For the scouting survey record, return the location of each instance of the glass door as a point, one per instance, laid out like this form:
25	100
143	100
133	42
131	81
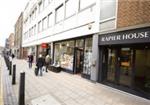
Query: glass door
78	60
125	68
119	65
142	70
111	63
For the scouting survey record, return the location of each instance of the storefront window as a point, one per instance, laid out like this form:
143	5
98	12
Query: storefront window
80	43
64	52
57	53
87	56
142	73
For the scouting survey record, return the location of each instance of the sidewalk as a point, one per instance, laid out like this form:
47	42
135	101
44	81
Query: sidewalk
64	89
1	83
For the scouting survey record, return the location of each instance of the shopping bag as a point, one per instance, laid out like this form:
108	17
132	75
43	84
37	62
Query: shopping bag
36	71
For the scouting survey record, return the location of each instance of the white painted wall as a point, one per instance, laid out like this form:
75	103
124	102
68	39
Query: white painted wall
71	27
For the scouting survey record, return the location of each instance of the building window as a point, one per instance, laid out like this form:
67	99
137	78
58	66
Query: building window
39	26
86	3
44	23
34	29
60	13
30	18
35	10
40	7
107	9
87	56
50	20
71	8
45	3
30	32
64	52
27	34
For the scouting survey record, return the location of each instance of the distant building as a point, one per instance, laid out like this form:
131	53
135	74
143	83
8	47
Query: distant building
18	37
7	44
10	43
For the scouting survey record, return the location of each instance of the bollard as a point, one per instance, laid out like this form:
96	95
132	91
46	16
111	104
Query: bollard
21	100
14	75
10	67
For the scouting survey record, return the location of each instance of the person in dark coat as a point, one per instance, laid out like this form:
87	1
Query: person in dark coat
40	64
30	60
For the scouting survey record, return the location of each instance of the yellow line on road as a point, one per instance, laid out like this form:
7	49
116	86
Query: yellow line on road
1	83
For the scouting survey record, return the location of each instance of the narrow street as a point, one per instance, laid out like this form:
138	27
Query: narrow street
62	89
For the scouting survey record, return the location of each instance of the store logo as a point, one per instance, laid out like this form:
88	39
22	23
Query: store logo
128	36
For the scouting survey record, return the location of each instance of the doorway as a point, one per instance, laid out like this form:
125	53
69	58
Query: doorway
127	68
79	57
119	63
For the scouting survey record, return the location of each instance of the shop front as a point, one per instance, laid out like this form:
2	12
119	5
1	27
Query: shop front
125	60
44	49
74	55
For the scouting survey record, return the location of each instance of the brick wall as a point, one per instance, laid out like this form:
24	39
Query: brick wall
133	12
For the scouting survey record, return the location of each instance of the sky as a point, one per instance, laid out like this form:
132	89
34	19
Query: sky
9	13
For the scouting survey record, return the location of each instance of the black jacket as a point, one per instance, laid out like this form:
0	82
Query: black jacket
40	62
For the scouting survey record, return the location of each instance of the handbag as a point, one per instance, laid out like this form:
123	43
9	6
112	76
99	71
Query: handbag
36	71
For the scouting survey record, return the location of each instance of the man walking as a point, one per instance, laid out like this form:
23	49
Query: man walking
40	64
30	60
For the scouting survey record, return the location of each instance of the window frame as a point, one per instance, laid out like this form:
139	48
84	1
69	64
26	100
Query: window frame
60	6
87	7
66	17
43	22
39	26
48	19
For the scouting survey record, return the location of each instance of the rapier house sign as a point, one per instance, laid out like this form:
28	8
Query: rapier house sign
130	36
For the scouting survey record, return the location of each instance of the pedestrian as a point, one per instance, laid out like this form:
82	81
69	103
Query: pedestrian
13	56
30	60
40	64
47	62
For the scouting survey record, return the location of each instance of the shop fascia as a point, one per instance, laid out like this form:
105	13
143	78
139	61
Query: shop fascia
128	36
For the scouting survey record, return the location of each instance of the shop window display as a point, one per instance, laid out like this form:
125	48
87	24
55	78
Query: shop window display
87	56
64	54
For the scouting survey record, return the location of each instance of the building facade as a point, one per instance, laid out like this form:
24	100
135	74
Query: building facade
65	30
18	37
10	43
103	40
124	53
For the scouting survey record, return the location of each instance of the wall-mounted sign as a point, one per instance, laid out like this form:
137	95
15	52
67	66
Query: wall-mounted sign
141	35
44	45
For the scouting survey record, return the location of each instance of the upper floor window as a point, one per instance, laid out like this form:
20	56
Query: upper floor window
86	3
30	18
60	13
40	6
71	7
34	30
50	20
107	9
35	12
39	26
44	23
45	3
